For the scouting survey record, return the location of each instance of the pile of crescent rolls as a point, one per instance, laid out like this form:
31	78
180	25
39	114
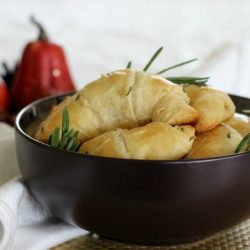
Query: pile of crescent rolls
137	115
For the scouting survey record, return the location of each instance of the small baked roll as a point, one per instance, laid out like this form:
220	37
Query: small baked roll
172	108
214	106
220	141
241	123
154	141
122	99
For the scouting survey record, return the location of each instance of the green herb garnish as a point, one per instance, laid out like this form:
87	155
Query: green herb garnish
129	91
77	97
246	111
152	59
200	81
55	137
69	138
176	66
245	142
129	65
65	121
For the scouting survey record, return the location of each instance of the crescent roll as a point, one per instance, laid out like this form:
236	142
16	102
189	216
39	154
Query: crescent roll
121	99
241	123
154	141
214	106
219	141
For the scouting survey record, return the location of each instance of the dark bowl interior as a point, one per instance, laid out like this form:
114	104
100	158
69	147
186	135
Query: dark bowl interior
138	201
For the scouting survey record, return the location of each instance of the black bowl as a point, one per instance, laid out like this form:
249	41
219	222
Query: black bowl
137	201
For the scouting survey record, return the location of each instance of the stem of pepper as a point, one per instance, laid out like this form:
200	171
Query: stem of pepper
42	33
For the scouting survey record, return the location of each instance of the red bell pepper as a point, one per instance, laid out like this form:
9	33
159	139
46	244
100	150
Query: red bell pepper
43	71
4	97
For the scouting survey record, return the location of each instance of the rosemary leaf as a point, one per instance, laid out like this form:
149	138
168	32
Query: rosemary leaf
55	137
76	146
177	65
129	65
129	91
66	138
152	59
70	144
69	133
69	137
246	111
244	142
65	121
201	81
64	141
77	97
76	133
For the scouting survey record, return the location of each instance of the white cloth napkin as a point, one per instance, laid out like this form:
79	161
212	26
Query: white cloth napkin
24	224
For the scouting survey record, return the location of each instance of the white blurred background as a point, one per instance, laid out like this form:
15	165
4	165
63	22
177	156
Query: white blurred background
103	35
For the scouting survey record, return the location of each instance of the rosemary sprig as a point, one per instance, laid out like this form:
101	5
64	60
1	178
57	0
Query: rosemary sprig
176	66
245	142
246	111
201	81
55	137
65	121
152	59
129	65
69	138
65	138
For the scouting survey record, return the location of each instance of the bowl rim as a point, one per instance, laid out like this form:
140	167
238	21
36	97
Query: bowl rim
84	156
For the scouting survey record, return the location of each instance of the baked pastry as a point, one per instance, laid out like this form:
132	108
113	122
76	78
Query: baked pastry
154	141
122	99
214	106
241	123
220	141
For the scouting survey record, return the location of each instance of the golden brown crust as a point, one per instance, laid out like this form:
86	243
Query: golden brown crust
219	141
241	123
154	141
214	106
121	99
172	108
